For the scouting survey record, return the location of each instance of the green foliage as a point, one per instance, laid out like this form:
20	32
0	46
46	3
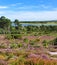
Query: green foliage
20	45
26	40
45	43
2	45
10	55
5	23
37	40
32	42
13	45
55	41
7	26
14	36
1	31
9	36
17	36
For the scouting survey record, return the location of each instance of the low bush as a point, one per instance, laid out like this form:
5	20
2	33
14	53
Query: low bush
2	45
37	40
32	42
26	40
17	36
20	45
8	36
13	45
9	56
44	41
14	36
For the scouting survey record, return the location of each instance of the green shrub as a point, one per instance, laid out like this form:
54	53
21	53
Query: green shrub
20	45
45	43
26	40
8	36
10	55
16	36
32	42
2	45
35	34
55	41
13	45
37	40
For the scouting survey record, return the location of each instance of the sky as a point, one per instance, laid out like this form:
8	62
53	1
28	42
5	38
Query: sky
29	10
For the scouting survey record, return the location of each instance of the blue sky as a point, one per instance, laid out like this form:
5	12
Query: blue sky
29	9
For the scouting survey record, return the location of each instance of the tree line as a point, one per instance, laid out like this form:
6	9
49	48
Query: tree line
6	26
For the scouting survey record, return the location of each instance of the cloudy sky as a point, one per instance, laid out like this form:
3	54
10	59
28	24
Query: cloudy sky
29	9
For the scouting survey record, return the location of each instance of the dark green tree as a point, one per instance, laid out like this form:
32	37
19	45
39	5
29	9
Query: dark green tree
5	23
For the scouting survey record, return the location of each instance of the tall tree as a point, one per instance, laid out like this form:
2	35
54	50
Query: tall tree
5	23
17	24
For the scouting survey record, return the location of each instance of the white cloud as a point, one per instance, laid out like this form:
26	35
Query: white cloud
3	7
26	15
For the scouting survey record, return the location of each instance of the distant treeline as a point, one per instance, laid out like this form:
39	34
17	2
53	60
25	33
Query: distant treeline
7	27
55	21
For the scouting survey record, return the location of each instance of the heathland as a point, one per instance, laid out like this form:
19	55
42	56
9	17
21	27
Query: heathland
28	42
